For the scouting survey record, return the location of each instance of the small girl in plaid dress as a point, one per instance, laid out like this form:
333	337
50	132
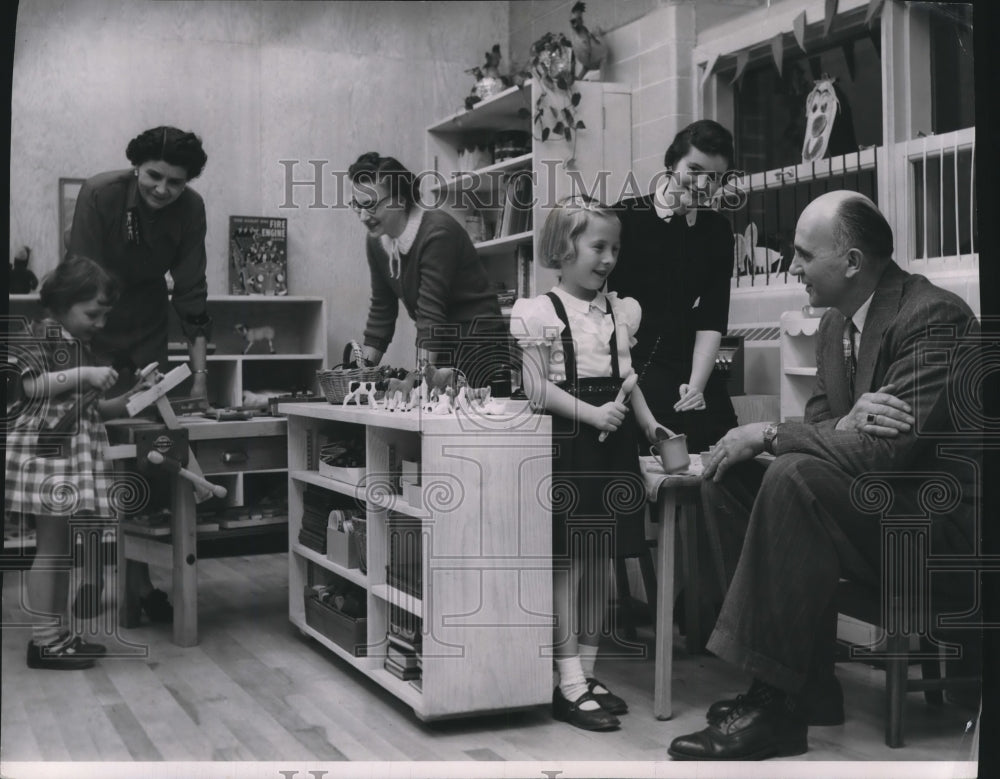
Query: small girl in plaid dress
55	467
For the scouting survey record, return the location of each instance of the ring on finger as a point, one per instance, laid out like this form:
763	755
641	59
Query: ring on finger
871	419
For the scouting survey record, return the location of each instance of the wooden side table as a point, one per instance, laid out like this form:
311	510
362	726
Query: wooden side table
676	494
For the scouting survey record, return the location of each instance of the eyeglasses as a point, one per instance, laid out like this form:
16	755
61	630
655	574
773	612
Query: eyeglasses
368	208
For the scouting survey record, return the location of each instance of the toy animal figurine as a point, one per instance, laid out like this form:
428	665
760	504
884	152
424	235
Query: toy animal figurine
438	379
362	389
253	334
444	403
22	281
401	391
589	47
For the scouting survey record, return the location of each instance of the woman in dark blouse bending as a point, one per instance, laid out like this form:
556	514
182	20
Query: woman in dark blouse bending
425	258
138	224
676	259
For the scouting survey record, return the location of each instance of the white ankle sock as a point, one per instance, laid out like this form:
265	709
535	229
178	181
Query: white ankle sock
572	682
588	658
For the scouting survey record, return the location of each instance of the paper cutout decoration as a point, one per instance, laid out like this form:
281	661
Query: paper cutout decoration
751	258
822	106
778	52
831	12
742	59
709	67
799	28
874	8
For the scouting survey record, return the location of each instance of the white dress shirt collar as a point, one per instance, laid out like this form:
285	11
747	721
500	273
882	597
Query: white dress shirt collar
665	212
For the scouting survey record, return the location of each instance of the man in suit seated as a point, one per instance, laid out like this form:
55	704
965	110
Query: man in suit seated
880	406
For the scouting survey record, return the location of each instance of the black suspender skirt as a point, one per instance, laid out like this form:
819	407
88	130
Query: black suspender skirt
598	494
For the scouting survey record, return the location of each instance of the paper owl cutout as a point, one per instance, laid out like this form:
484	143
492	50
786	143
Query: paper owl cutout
822	107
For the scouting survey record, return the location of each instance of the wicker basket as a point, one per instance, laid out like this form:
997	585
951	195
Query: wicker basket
336	383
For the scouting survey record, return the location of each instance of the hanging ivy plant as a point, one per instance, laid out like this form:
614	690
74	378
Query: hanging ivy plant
553	65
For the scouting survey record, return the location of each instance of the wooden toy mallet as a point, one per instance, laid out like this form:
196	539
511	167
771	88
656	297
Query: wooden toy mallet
627	386
172	465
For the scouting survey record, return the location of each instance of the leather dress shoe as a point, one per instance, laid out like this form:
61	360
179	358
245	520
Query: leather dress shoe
609	702
762	725
821	703
588	719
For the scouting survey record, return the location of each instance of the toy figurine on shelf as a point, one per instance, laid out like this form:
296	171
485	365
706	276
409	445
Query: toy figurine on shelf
22	280
253	334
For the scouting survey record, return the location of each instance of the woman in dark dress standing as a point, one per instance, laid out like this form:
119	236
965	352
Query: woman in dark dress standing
138	224
676	259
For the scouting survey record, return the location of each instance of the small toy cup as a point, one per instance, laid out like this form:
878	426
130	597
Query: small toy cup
672	453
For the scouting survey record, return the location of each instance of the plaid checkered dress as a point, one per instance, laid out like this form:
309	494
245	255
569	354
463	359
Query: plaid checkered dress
48	473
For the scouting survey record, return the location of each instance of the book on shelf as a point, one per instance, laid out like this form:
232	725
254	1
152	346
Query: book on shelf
403	644
404	659
258	256
406	674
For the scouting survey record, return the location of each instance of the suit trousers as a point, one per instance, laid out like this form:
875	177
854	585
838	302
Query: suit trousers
778	620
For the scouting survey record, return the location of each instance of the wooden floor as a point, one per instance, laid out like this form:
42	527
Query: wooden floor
255	690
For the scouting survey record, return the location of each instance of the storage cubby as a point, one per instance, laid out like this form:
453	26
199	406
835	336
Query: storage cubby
798	362
467	573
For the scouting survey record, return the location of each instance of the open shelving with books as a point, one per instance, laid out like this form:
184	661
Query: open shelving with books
457	579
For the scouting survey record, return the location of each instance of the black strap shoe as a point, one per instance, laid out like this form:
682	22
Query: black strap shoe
764	724
609	702
822	703
59	657
588	719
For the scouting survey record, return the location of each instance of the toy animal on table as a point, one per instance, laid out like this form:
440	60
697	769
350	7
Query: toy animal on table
403	392
252	335
362	389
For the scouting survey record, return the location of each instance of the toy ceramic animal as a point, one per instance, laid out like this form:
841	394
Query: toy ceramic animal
360	389
253	334
401	391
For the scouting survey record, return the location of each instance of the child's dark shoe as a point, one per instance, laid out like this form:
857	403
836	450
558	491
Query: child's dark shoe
588	719
157	607
609	702
61	656
85	648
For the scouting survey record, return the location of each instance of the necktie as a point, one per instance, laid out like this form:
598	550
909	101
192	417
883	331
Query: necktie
850	357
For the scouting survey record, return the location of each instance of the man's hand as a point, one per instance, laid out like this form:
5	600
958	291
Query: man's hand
879	413
692	399
739	444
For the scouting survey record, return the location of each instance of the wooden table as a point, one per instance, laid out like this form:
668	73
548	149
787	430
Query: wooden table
178	551
675	494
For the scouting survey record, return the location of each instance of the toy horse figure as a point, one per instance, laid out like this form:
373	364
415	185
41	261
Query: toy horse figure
401	391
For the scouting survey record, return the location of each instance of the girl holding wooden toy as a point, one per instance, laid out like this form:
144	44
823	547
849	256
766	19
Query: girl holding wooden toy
55	467
576	342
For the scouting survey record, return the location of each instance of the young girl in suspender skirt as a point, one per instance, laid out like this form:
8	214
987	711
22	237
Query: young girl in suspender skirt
575	341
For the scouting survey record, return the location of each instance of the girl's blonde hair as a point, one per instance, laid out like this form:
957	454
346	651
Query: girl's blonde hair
563	225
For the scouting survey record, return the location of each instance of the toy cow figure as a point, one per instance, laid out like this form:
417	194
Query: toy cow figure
253	334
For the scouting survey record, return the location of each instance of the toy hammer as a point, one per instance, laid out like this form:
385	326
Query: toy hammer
627	386
170	464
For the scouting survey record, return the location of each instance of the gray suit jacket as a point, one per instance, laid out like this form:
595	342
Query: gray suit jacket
925	341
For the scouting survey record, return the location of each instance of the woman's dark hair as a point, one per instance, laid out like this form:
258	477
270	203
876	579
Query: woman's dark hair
171	145
76	280
372	168
706	136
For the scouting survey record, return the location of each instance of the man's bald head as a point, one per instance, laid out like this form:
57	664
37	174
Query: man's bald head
856	223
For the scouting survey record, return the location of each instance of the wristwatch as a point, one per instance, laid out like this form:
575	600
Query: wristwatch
770	434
